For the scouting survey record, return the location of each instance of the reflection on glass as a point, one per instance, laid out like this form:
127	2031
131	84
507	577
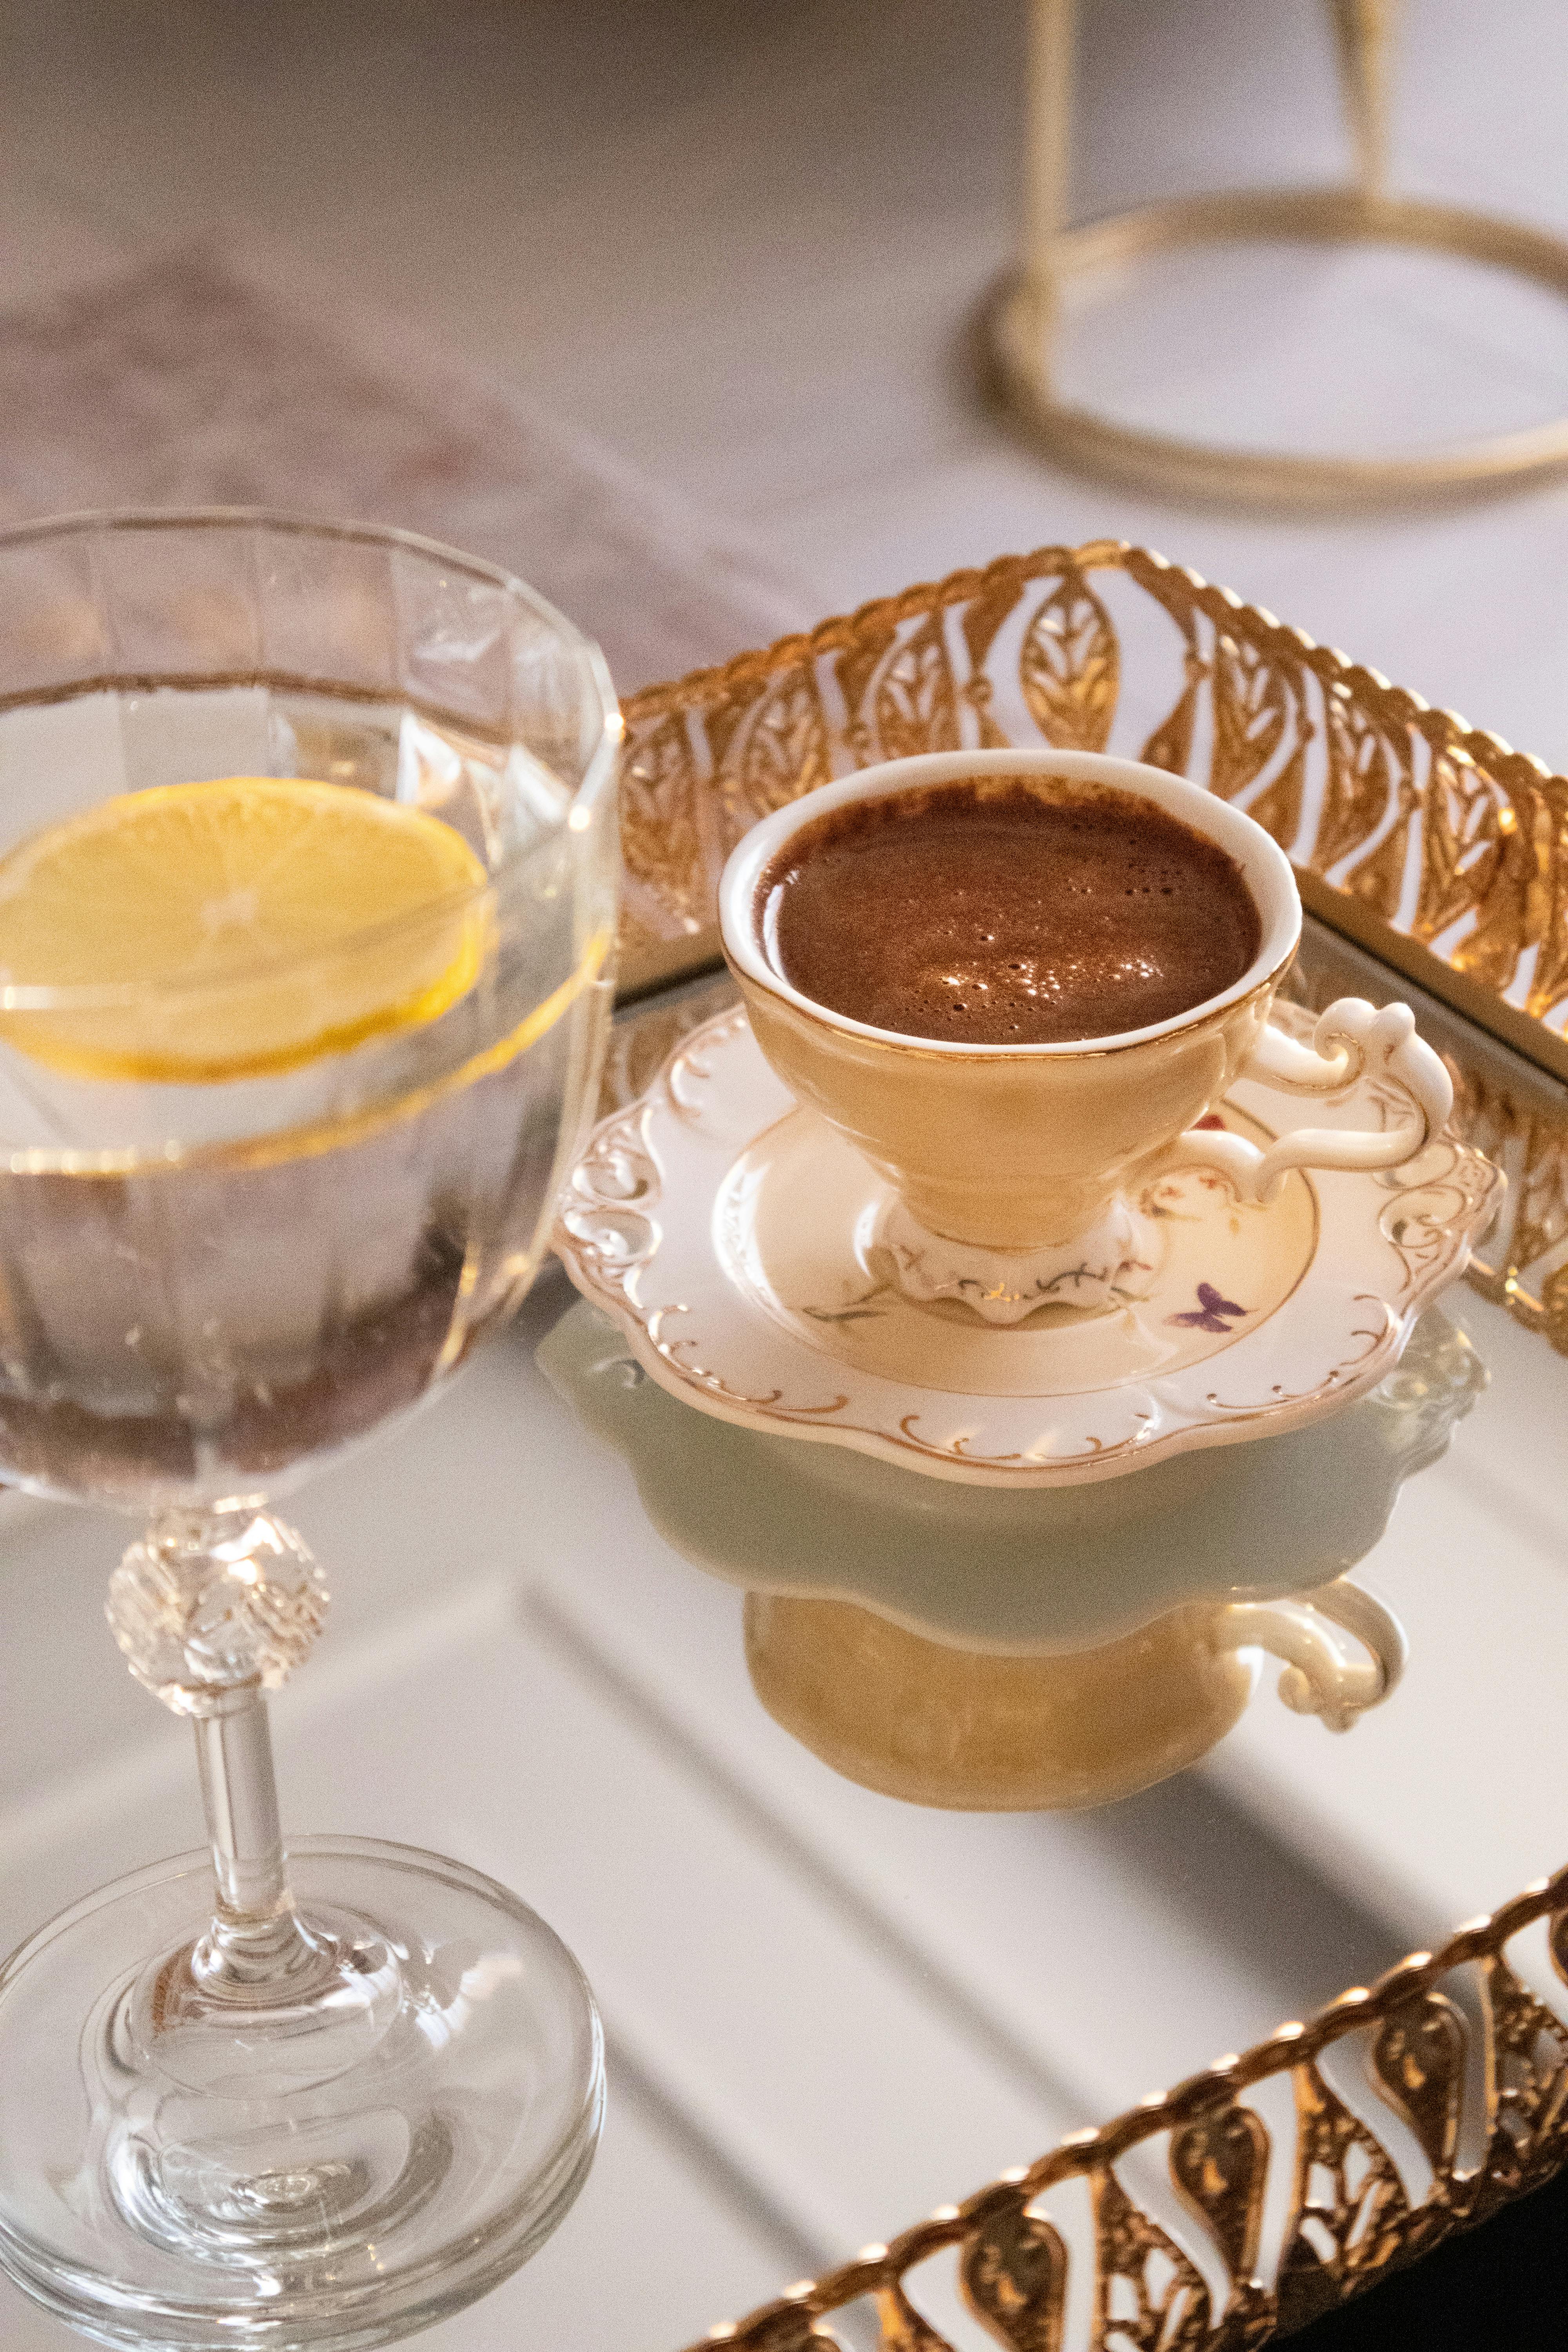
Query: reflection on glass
989	1731
959	1646
245	1220
980	1732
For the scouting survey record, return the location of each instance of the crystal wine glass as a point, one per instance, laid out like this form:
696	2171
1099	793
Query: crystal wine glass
351	2086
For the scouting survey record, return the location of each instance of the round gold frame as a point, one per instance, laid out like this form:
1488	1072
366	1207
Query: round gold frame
1021	310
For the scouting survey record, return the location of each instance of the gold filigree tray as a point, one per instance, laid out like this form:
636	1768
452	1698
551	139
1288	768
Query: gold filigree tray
1428	842
1348	2223
1431	856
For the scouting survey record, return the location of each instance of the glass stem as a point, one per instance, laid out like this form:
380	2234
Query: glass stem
258	1947
211	1608
239	1791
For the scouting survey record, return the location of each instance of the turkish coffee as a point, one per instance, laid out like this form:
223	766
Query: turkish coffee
1006	910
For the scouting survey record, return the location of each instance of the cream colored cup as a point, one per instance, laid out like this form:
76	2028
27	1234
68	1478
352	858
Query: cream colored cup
1015	1168
987	1732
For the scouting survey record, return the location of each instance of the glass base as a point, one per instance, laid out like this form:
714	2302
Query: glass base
184	2162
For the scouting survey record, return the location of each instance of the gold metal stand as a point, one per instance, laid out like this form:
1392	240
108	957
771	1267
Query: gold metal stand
1022	313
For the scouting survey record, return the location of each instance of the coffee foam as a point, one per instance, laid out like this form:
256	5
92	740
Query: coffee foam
1006	911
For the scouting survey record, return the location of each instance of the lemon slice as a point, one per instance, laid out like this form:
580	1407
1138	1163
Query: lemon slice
234	928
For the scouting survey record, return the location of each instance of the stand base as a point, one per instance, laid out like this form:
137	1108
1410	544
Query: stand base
1015	329
338	2172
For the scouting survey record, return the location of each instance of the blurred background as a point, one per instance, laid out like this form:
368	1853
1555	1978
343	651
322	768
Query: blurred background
740	247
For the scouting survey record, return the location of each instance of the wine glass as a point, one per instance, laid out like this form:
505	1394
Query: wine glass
320	2098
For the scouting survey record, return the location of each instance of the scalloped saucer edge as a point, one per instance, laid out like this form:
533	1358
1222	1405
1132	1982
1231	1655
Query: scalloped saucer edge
734	1238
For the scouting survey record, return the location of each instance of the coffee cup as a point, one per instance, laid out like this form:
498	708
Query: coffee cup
1014	1171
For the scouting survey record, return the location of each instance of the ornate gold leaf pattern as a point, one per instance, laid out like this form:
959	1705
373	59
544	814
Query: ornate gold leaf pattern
1419	2066
1255	710
1378	880
1348	2203
1070	666
1014	2274
1488	820
1148	2295
915	708
1365	772
1529	2092
1278	808
661	835
1349	2220
1475	860
1548	901
858	652
778	750
1220	2162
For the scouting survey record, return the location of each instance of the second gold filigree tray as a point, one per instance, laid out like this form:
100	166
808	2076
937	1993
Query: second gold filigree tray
1348	2221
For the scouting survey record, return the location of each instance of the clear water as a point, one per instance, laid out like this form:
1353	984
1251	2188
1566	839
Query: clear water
203	1287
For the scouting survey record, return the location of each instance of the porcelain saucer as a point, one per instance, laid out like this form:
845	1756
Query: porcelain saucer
732	1236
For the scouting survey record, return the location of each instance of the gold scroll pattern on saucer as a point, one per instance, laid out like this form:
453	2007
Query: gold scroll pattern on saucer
1418	838
1354	2212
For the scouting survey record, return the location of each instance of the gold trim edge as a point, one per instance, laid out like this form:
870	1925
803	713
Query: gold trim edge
1013	2262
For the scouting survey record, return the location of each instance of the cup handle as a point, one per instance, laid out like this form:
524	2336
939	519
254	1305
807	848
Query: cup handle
1322	1676
1351	1039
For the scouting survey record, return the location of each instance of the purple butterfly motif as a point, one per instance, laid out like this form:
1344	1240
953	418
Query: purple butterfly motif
1210	1312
